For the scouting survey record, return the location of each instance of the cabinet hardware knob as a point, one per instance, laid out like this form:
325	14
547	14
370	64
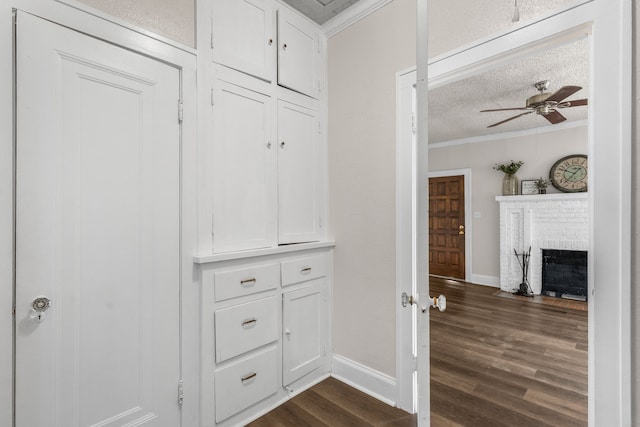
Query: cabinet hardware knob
305	270
270	42
247	282
248	377
284	46
249	322
269	144
282	144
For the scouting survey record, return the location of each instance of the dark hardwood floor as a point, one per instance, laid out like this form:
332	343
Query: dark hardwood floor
494	362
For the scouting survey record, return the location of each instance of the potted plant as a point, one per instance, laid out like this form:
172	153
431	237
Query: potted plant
510	182
541	185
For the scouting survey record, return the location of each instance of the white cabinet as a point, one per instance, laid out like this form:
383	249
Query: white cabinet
243	167
302	323
265	332
298	54
243	36
298	174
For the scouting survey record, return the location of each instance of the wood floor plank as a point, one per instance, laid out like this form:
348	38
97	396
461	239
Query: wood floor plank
495	361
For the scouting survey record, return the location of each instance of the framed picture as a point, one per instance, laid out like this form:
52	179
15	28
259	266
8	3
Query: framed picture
528	186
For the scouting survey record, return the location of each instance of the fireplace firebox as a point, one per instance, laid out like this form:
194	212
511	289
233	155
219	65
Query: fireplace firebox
564	274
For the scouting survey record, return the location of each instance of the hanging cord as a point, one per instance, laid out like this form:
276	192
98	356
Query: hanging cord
516	13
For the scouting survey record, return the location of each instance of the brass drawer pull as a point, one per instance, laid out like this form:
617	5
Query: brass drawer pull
247	282
249	322
305	270
248	377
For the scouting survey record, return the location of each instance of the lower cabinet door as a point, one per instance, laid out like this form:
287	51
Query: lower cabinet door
302	341
245	383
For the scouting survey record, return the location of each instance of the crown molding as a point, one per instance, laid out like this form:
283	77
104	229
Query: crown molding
512	134
352	15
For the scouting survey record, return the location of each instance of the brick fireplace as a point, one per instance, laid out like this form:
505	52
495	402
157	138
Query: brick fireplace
547	221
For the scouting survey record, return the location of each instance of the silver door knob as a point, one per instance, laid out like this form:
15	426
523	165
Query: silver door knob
41	304
38	307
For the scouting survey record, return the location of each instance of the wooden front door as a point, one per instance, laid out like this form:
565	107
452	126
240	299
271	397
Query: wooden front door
97	233
446	227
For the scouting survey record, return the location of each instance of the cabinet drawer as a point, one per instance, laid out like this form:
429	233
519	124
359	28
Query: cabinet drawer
245	281
244	383
302	269
245	327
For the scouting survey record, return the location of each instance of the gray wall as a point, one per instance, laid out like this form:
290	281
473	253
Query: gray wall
363	61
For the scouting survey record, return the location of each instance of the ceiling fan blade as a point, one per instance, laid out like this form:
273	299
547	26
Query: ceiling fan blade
563	93
509	119
554	117
576	102
505	109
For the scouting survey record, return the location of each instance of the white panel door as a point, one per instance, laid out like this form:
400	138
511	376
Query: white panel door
302	341
243	36
298	54
97	232
298	174
243	169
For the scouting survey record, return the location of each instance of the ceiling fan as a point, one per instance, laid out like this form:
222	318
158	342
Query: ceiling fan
545	104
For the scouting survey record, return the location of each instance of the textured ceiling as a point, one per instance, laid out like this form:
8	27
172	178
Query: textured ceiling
454	109
320	11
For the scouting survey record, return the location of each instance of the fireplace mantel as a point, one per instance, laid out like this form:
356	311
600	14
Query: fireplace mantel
546	221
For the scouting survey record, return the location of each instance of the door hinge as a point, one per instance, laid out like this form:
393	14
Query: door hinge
414	364
180	392
180	111
413	124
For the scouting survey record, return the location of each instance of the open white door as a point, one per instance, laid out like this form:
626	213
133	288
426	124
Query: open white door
413	234
422	218
97	232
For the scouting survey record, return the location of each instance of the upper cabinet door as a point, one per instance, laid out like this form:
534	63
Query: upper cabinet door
243	168
298	174
243	36
298	54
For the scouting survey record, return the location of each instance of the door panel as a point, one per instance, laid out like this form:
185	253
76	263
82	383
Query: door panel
97	232
298	54
244	169
446	227
298	172
302	348
243	36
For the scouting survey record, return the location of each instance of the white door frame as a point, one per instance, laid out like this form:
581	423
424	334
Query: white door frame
93	23
610	194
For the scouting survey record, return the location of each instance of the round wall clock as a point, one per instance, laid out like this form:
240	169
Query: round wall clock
569	174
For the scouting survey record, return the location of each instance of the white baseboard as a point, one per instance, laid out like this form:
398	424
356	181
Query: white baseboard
485	280
367	380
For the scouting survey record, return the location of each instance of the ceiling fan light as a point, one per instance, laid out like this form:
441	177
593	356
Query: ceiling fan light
516	13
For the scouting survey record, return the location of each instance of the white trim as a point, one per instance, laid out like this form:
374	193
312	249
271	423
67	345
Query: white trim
353	14
405	226
511	134
516	27
126	25
480	279
468	216
283	249
367	380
